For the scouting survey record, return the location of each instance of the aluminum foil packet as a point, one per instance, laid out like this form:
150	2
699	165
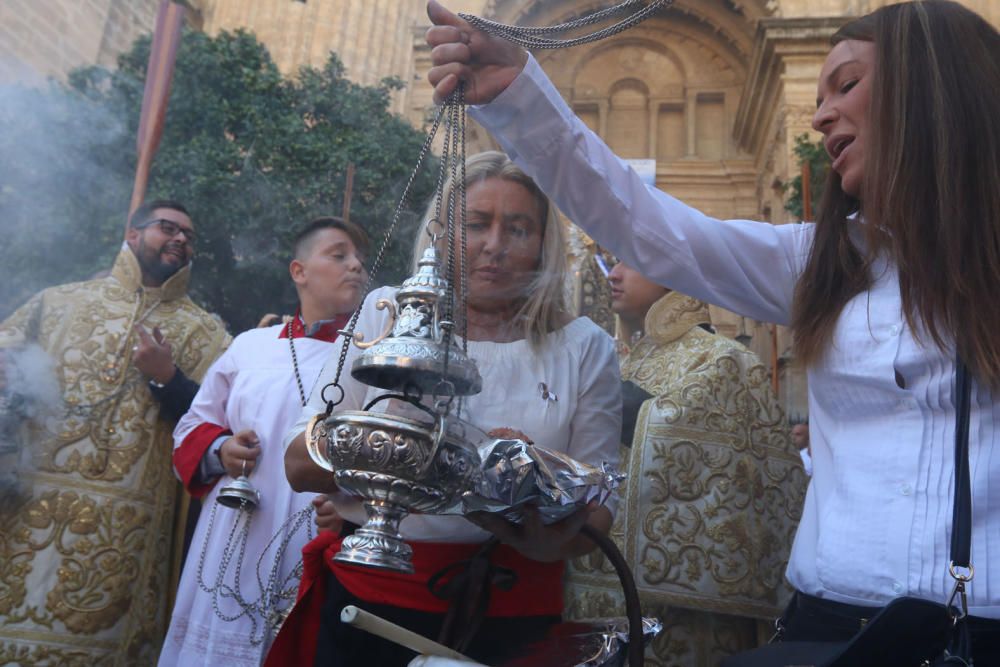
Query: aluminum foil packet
516	473
611	646
601	642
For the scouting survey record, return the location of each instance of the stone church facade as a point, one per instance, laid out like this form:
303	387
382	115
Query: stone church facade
713	91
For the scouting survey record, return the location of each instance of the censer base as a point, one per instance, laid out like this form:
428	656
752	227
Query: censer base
378	543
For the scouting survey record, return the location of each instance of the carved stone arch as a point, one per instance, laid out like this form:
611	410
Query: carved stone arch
670	35
628	83
574	68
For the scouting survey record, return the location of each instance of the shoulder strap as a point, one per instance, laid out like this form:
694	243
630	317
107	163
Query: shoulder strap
961	522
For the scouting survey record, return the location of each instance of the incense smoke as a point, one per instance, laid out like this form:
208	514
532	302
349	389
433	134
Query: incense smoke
61	214
29	391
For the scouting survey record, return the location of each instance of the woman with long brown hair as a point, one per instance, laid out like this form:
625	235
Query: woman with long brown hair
896	277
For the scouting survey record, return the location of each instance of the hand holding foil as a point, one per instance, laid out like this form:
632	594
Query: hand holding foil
517	474
534	499
531	537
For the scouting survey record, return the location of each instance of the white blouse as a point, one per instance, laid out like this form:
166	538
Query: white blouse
577	363
877	518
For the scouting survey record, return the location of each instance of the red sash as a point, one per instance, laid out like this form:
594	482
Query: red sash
538	590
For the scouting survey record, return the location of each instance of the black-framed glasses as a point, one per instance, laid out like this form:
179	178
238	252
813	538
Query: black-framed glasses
170	228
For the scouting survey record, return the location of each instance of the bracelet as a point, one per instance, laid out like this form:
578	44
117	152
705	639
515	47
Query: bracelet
161	385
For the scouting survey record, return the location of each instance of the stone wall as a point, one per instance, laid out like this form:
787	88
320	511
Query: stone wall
48	38
373	38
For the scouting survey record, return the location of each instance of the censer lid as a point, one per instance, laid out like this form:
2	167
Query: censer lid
426	284
396	363
414	354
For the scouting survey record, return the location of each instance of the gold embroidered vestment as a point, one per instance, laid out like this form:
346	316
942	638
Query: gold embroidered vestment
85	551
712	499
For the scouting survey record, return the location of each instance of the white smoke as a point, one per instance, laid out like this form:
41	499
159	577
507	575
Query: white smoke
29	391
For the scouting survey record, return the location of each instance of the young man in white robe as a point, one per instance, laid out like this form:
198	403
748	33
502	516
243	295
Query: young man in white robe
247	402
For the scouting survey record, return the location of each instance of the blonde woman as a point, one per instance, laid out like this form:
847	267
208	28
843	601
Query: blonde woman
546	375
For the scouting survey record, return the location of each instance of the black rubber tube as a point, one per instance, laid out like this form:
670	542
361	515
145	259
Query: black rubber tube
633	609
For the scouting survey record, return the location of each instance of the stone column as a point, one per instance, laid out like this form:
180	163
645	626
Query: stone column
691	122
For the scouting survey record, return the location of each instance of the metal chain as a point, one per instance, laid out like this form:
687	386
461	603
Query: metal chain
295	365
454	155
348	331
274	594
267	608
589	19
463	294
531	37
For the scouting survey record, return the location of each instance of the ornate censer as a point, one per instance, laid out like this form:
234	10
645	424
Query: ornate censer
424	460
398	464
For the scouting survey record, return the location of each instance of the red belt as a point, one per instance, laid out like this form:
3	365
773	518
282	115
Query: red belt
537	591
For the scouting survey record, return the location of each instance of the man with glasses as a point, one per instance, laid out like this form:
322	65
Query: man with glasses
88	542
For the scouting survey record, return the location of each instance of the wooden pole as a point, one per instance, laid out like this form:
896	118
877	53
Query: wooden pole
807	209
348	191
159	75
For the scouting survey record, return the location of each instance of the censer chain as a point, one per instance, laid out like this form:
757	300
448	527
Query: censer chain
533	37
266	608
453	159
348	332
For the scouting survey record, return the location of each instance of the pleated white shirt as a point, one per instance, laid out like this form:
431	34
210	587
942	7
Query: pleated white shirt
877	519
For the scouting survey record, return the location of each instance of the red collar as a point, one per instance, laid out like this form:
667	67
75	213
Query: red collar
326	332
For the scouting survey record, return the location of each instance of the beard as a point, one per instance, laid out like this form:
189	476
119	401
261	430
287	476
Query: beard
153	264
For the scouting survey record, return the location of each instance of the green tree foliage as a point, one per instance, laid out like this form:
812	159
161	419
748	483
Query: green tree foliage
252	154
813	154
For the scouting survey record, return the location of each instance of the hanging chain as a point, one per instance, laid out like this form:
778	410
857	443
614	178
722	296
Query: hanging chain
295	365
276	597
453	160
455	206
533	37
348	331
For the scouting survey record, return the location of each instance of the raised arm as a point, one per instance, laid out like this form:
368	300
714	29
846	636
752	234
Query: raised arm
744	266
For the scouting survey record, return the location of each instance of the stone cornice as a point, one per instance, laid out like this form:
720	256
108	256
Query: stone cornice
776	40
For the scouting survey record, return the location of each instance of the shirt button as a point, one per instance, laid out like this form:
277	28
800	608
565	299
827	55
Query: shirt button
894	330
906	489
897	587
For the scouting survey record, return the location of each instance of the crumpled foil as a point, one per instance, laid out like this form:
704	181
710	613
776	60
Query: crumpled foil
516	473
601	642
611	641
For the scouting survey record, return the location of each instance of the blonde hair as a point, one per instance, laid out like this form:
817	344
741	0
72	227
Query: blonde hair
544	308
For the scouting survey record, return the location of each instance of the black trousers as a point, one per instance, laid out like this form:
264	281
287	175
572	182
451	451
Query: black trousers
341	645
809	618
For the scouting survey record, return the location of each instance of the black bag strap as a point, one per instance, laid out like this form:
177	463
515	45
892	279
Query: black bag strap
961	521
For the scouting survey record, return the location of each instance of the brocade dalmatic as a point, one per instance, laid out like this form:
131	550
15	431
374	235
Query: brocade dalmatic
86	549
713	495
